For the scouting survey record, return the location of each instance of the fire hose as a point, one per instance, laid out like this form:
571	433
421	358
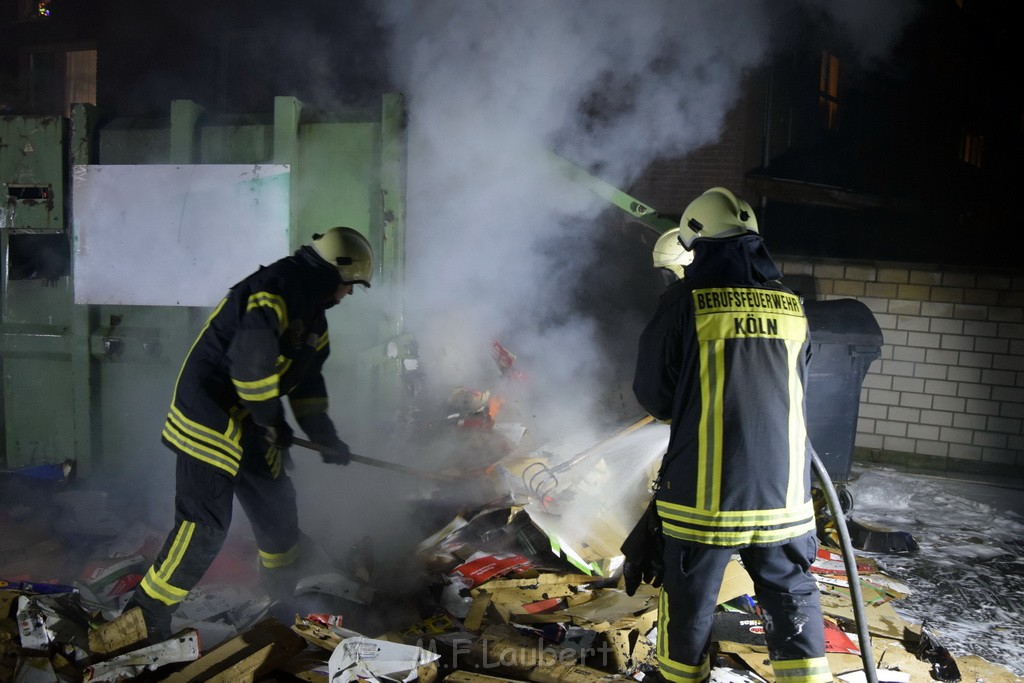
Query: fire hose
850	562
548	481
660	223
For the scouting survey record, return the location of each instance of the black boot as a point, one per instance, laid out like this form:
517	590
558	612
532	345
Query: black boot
280	582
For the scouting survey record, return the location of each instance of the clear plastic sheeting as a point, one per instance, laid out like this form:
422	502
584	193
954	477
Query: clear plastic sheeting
591	502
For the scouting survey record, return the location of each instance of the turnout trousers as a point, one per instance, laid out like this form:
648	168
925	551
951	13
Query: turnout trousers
203	502
785	591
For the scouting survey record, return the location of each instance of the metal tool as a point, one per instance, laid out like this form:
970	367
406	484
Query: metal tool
541	480
373	462
650	217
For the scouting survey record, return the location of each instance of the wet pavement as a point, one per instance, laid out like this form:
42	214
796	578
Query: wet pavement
968	574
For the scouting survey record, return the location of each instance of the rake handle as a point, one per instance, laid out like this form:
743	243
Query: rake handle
372	462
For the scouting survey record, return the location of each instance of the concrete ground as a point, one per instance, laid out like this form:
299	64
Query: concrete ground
968	575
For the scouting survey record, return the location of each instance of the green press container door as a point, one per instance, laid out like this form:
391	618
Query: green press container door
36	346
32	172
336	181
92	381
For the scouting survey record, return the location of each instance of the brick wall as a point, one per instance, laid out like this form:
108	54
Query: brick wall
948	389
672	183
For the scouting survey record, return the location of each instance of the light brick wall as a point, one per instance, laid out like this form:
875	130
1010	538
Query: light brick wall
948	389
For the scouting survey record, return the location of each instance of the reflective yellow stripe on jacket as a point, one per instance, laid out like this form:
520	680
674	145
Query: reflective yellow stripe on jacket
735	527
266	388
301	407
206	444
275	302
743	317
260	389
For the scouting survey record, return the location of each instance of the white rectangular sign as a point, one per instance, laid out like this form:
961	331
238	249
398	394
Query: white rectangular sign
174	235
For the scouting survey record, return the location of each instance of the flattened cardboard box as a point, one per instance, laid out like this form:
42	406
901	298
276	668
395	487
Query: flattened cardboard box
974	668
627	640
612	604
245	657
735	582
882	619
470	677
887	654
509	595
8	601
505	652
316	634
127	629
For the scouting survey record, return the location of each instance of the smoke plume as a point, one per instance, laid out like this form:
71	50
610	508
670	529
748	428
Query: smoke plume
499	244
498	241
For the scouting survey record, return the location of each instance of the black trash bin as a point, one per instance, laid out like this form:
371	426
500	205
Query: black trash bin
845	338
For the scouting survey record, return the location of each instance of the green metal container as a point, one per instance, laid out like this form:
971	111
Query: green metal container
92	381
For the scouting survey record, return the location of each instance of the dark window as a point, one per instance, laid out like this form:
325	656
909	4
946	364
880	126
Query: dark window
38	257
58	76
972	148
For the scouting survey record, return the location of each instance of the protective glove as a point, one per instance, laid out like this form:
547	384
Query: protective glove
269	415
279	435
339	454
644	550
319	427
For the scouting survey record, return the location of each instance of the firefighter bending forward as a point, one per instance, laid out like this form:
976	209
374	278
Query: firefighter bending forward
725	359
265	340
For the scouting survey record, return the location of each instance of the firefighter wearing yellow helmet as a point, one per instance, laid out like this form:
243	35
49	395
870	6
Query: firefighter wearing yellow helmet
266	340
670	255
718	213
349	252
724	359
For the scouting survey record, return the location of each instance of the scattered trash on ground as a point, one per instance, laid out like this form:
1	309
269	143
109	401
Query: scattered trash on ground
521	588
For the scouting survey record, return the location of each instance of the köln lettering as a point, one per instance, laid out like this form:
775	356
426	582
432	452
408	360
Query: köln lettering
756	326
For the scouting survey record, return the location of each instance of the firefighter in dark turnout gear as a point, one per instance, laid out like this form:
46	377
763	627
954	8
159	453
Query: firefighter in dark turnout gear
725	359
265	340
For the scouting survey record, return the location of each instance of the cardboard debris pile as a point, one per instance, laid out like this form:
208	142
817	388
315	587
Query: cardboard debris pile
70	561
522	589
585	619
507	608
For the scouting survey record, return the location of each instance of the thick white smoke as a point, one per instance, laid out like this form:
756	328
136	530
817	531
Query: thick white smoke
495	234
499	244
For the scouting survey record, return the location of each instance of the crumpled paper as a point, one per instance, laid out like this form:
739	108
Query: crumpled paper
368	659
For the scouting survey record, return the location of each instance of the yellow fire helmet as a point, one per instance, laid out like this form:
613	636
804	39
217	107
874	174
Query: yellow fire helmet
349	251
716	214
670	254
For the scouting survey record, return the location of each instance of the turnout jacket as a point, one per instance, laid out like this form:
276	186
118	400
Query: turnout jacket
266	339
725	359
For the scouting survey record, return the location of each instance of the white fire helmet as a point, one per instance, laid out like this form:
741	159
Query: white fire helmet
670	254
